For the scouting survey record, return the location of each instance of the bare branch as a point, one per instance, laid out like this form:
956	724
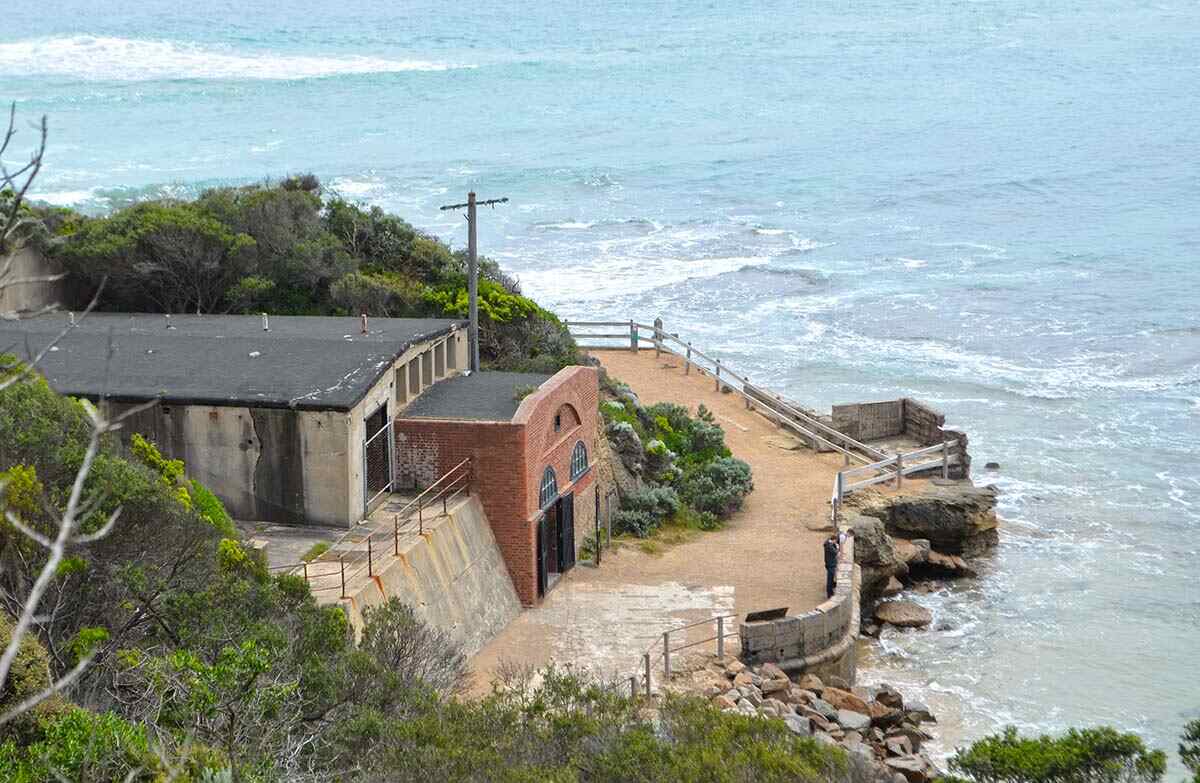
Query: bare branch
53	688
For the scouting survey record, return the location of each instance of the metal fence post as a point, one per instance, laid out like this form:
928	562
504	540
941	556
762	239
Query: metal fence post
667	655
396	533
899	470
687	365
306	572
342	563
658	331
720	637
646	662
370	556
420	519
633	336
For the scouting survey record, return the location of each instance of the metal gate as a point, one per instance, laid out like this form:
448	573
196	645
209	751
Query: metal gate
566	532
379	459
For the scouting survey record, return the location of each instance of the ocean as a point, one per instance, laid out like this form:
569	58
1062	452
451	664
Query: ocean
993	206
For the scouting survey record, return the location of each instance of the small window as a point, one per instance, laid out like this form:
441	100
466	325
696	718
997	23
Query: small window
579	463
557	422
549	488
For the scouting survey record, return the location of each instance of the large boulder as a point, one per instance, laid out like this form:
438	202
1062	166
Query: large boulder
627	447
956	517
903	614
874	553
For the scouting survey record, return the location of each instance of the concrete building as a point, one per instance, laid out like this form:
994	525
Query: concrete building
316	420
286	419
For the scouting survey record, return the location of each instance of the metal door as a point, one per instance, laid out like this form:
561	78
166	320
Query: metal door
566	532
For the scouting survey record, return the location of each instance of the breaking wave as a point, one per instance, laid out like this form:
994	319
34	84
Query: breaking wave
102	58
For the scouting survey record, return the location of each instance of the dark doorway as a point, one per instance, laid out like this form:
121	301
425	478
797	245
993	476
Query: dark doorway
555	542
377	456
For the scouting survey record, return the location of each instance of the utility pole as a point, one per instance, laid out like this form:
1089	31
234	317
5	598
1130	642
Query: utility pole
473	272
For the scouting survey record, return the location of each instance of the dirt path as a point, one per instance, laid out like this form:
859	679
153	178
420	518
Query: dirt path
604	618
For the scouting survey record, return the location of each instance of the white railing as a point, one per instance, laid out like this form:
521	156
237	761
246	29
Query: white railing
774	407
894	468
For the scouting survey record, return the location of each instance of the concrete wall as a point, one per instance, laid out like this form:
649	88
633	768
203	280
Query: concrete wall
927	426
870	420
28	297
821	641
272	464
453	577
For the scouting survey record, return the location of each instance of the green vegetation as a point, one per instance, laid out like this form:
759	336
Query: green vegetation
1189	748
315	551
692	480
209	668
286	249
1100	755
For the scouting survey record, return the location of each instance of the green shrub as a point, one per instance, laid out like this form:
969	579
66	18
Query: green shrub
642	512
1100	755
718	487
1189	748
315	551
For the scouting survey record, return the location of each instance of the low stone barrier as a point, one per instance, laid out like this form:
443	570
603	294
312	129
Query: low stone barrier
820	641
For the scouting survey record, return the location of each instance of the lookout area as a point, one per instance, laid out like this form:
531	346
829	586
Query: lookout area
768	555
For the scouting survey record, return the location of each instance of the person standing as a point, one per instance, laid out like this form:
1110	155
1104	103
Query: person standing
831	562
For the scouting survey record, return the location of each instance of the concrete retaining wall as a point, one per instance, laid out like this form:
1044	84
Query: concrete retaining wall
29	297
453	577
820	641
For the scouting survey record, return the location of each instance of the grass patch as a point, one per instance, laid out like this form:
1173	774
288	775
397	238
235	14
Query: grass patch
315	551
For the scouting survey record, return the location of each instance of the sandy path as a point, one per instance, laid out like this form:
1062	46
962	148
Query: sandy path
604	618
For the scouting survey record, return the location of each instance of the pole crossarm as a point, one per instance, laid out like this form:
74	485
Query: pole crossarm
473	272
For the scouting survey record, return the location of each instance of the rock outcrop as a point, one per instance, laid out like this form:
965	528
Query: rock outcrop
874	725
903	614
956	517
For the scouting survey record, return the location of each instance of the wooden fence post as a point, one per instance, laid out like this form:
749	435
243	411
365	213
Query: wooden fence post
899	470
633	336
687	365
646	662
717	375
658	333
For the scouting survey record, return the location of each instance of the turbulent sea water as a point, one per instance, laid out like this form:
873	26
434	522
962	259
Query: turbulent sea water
992	206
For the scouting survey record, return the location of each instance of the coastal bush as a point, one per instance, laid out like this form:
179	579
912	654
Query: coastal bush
284	249
1189	748
642	512
717	487
1099	755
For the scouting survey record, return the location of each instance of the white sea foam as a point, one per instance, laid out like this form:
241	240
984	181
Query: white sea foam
66	198
912	263
105	58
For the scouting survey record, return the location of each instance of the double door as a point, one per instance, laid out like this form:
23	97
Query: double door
556	542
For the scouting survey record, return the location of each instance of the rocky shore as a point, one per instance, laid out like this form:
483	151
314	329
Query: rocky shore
876	725
907	540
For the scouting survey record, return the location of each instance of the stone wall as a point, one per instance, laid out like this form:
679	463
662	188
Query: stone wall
453	577
927	426
865	421
820	641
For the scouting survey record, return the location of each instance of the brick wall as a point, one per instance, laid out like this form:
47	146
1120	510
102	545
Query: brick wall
509	459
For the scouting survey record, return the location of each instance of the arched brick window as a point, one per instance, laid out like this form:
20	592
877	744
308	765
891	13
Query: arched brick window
579	463
549	488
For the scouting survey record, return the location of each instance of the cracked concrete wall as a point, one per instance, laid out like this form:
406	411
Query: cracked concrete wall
28	297
270	464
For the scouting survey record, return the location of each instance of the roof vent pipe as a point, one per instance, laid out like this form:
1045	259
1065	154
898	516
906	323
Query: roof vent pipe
266	323
364	323
169	324
72	318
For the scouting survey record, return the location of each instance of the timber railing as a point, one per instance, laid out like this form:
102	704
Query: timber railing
772	406
347	559
894	468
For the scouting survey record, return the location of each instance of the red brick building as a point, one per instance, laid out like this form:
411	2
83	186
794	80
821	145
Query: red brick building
532	442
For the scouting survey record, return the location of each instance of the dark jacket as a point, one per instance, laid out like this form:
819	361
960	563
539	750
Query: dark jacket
831	553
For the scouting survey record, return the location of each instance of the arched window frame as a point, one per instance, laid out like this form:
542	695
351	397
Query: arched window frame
579	460
549	488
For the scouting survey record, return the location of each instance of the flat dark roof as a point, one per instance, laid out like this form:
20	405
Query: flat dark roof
480	396
307	362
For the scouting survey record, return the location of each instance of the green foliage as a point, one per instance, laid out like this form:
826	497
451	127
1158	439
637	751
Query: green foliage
210	508
20	491
718	487
282	249
1189	748
642	512
315	551
1100	755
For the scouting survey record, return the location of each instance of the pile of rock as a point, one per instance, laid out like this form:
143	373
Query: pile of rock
875	723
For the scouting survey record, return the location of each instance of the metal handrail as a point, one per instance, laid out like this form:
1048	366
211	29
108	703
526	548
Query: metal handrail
446	488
